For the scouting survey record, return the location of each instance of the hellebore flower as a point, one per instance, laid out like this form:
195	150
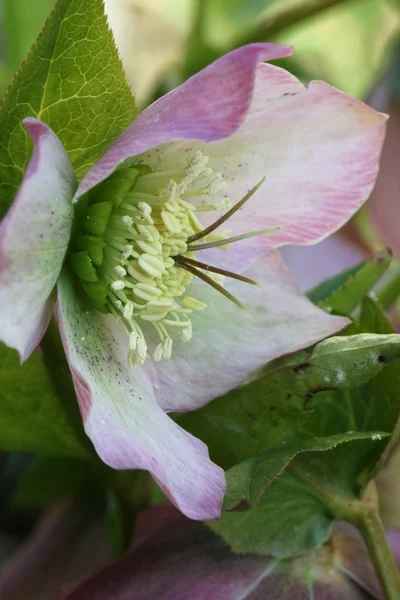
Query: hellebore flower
142	332
177	558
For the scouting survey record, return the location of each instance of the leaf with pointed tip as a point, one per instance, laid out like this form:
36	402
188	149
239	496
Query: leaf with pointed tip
274	409
292	515
342	294
73	80
289	490
248	480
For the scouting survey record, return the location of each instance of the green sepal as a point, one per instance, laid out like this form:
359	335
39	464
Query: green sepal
93	245
115	187
96	293
143	169
83	266
97	216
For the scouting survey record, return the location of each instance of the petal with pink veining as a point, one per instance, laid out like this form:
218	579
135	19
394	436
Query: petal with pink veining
234	343
328	258
34	238
209	106
122	417
180	559
317	148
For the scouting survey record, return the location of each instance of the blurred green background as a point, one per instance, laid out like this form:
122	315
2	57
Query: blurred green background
346	42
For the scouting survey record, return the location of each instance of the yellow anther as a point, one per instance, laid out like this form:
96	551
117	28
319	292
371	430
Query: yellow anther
152	316
128	310
193	303
138	274
170	222
145	208
158	352
151	290
153	248
152	265
148	232
120	271
186	334
197	226
146	254
128	221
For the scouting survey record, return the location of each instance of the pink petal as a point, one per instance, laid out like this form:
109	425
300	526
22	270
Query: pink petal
326	259
385	204
181	560
177	559
34	238
317	148
233	343
209	106
122	417
393	537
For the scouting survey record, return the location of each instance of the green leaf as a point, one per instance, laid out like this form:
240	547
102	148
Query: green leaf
276	408
295	514
32	417
307	482
248	480
342	294
22	21
73	80
50	479
374	405
116	524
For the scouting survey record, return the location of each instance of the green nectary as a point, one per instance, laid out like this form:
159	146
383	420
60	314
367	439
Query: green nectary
134	253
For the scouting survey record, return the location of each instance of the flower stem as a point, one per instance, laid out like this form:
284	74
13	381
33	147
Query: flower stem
371	527
388	291
363	513
282	16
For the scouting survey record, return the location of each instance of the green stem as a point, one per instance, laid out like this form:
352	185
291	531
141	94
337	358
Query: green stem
370	525
286	16
364	514
199	54
388	291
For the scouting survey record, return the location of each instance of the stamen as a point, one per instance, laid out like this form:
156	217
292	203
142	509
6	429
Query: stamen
193	303
118	285
128	311
120	271
158	352
186	334
167	348
137	246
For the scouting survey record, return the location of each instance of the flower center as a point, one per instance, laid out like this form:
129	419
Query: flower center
135	253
